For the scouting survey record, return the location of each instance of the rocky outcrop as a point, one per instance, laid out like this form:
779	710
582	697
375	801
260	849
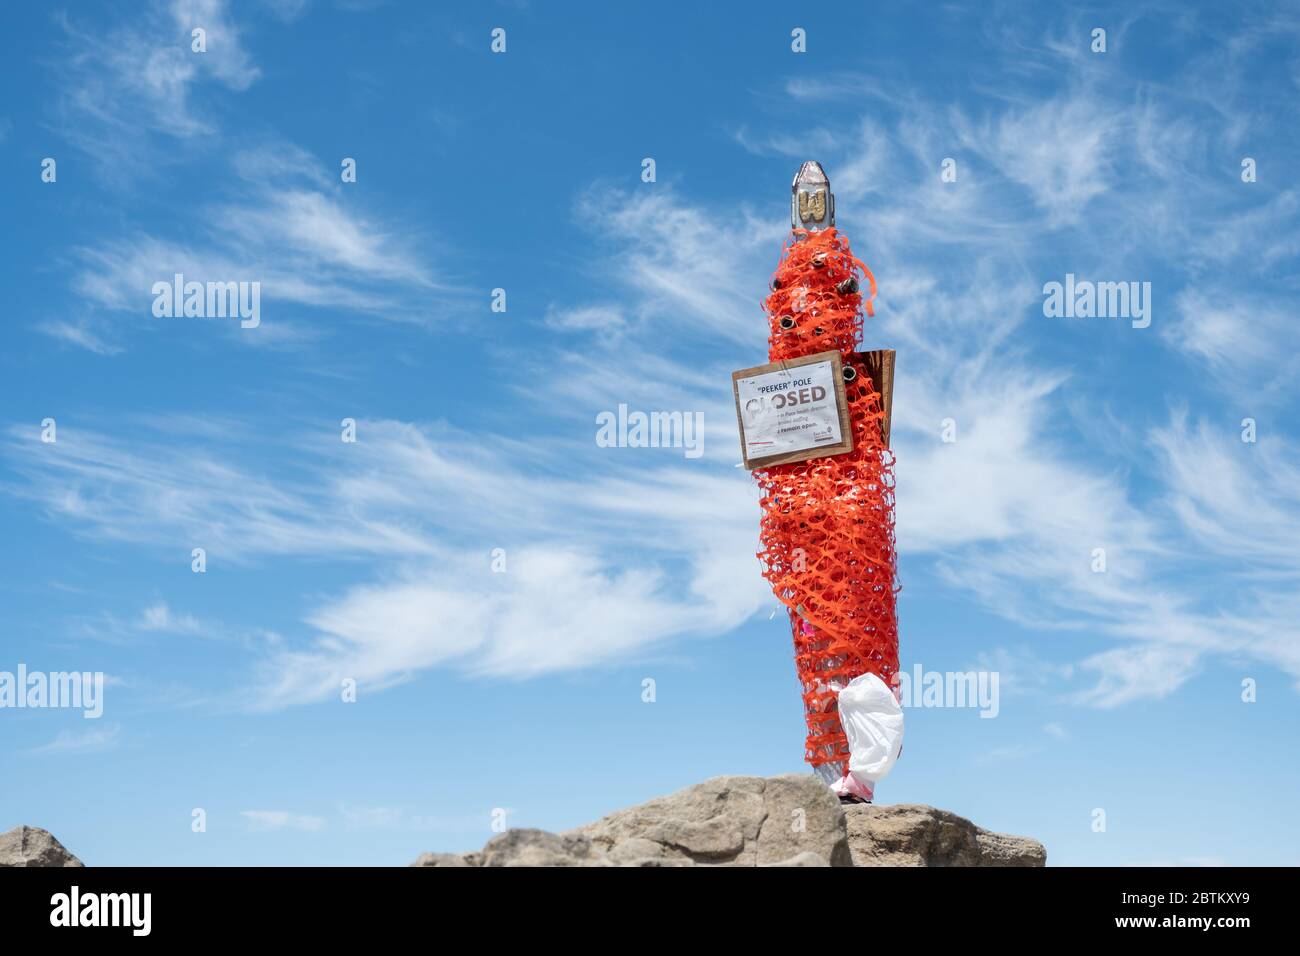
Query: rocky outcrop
32	846
737	821
791	820
911	834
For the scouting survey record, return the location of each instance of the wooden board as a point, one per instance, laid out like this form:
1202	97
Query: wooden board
841	406
880	366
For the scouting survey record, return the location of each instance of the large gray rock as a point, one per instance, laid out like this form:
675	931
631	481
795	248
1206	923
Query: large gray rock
446	859
733	821
727	821
540	848
806	858
792	820
32	846
910	834
524	847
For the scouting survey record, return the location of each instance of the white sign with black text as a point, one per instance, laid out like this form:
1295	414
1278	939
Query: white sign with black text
791	409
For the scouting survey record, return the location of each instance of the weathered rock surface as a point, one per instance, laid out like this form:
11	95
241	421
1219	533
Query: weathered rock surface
806	858
791	820
445	859
540	848
911	834
738	821
32	846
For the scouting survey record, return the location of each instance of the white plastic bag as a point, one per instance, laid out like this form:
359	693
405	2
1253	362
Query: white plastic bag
873	723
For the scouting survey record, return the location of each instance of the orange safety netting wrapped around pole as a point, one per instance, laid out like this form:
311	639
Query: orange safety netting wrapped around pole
827	530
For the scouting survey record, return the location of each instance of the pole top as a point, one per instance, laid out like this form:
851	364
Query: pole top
812	204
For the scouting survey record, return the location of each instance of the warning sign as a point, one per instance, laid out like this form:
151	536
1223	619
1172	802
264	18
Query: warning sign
792	411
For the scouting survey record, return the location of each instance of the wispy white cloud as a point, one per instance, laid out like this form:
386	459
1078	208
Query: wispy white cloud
552	610
280	161
1247	340
96	740
287	10
303	246
153	495
1059	150
271	820
1022	670
1137	671
1236	500
686	267
225	58
319	232
591	318
1054	729
572	595
160	617
80	335
286	223
122	84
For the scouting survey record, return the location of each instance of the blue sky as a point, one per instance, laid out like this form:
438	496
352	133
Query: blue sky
477	690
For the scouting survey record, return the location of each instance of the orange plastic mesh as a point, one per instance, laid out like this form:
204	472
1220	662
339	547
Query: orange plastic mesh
827	532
